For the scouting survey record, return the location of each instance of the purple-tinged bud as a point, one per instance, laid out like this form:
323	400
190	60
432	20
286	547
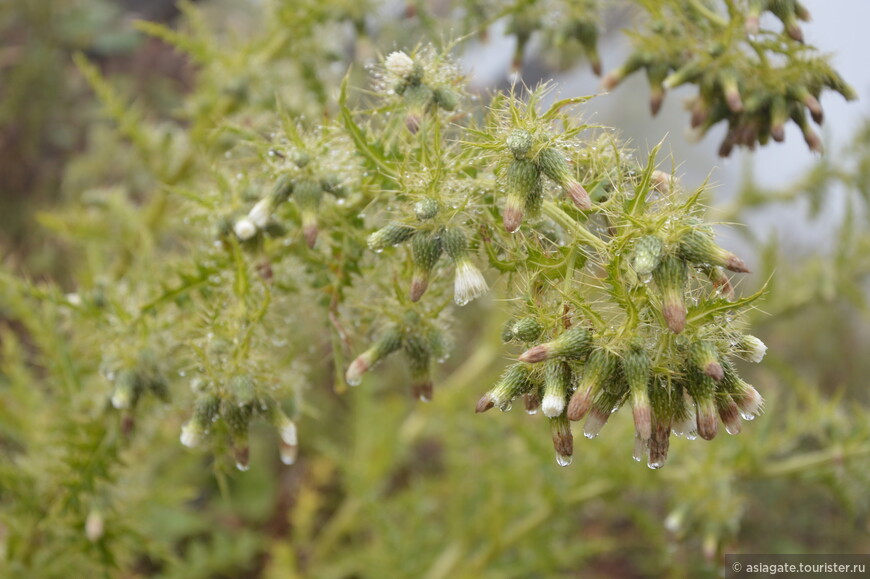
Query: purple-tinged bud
721	282
703	355
514	382
552	163
731	90
532	401
598	417
659	441
387	343
426	250
685	418
597	371
309	228
522	182
419	362
636	369
708	424
697	246
729	413
563	440
557	381
571	344
671	276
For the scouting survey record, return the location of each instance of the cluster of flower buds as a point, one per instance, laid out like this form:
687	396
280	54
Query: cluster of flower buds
421	90
578	375
228	411
755	96
429	242
131	383
531	159
306	184
419	340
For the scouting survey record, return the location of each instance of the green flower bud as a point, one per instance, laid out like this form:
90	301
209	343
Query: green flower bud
647	253
703	355
419	361
390	235
389	341
237	417
697	246
527	329
522	181
454	244
308	195
507	332
557	382
520	143
426	208
128	388
730	88
204	413
597	372
671	276
552	163
571	344
243	389
426	249
446	98
563	439
515	382
281	190
418	98
636	369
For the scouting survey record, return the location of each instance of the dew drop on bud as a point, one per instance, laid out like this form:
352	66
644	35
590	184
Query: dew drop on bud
243	467
640	450
564	460
656	464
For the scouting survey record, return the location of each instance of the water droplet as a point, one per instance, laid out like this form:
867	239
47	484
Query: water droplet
639	449
243	467
747	416
182	373
531	411
691	436
506	407
354	381
733	429
563	460
655	465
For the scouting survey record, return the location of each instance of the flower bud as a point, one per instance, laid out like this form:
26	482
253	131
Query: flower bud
571	344
532	400
728	82
426	249
752	348
469	283
602	408
94	525
308	195
418	99
426	208
659	441
671	276
419	361
128	388
522	181
260	213
387	343
399	64
243	388
520	143
703	355
281	191
697	246
729	413
390	235
446	98
515	382
597	371
636	369
289	445
748	400
527	329
563	440
244	229
237	417
647	253
553	164
721	282
702	389
557	382
204	413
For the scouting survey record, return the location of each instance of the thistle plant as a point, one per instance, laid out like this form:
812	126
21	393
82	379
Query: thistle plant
303	241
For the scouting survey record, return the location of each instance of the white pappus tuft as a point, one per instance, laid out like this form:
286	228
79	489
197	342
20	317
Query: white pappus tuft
468	283
399	64
245	228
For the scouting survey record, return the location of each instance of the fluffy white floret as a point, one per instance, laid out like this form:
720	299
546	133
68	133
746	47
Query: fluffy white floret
468	283
399	64
245	228
259	215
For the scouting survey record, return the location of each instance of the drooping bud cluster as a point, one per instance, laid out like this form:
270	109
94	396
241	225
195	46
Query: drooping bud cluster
225	413
421	341
755	89
305	179
423	82
130	383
